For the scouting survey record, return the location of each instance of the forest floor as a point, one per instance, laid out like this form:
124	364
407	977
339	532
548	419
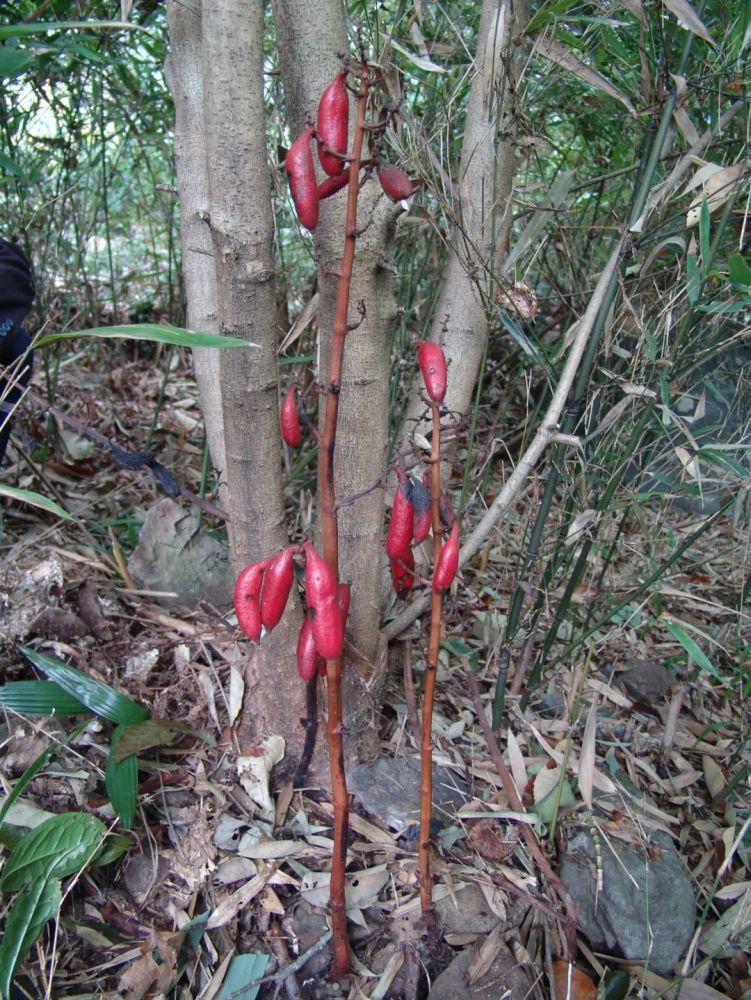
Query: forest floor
207	877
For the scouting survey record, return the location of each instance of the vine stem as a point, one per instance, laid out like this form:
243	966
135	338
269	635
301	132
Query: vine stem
426	743
328	509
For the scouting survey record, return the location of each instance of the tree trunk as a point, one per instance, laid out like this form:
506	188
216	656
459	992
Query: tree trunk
482	208
310	39
241	228
184	71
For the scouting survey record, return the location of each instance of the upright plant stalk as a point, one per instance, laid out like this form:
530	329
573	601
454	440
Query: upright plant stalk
328	512
426	743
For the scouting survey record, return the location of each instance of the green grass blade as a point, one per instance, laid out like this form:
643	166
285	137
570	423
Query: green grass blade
96	696
58	847
692	647
174	335
35	499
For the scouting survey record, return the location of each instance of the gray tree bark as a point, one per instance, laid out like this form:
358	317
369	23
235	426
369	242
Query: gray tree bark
310	39
481	209
231	199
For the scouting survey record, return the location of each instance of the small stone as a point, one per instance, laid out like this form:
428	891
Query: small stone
646	681
645	909
389	789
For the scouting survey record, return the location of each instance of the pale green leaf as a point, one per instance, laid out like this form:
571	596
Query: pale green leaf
35	499
174	335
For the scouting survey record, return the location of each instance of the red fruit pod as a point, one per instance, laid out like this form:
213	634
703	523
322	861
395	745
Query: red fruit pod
333	125
448	562
399	535
402	575
328	628
302	179
320	582
432	362
290	420
394	182
344	593
423	513
246	598
277	584
333	184
308	657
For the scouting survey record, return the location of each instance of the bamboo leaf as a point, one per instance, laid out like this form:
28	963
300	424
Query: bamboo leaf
121	781
39	698
740	272
692	647
244	969
42	27
33	907
174	335
58	847
96	696
13	61
689	19
552	49
35	499
586	774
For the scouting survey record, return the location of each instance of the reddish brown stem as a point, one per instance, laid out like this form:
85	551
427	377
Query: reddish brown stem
328	510
426	745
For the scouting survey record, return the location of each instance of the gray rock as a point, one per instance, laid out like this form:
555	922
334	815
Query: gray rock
174	555
645	909
465	911
505	978
389	789
646	681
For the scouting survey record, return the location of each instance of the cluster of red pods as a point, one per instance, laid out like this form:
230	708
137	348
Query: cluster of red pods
331	135
411	513
263	589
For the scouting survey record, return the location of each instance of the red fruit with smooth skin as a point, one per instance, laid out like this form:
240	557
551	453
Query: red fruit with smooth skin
432	362
247	593
308	658
394	182
402	575
320	582
333	184
290	420
423	513
448	562
328	628
399	535
277	584
302	179
344	594
333	125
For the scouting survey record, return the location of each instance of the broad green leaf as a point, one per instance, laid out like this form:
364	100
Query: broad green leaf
121	781
39	698
693	649
41	27
244	969
35	499
58	847
113	848
174	335
10	166
36	904
740	272
13	61
96	696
